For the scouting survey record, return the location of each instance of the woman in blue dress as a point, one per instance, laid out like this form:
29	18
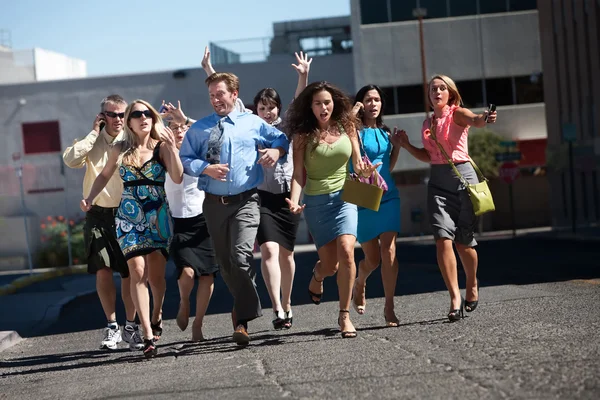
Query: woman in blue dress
377	230
148	151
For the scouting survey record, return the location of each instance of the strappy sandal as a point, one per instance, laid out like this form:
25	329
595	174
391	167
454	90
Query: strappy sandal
289	319
392	323
156	329
345	334
316	296
470	306
360	309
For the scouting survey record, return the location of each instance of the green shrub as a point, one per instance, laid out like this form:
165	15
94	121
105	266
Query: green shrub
55	248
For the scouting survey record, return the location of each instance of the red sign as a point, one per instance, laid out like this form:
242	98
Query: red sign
509	171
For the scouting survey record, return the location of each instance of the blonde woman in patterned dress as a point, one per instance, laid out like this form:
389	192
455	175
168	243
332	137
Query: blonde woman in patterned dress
146	154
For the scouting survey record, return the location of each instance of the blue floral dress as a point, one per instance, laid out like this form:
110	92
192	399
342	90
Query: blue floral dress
143	220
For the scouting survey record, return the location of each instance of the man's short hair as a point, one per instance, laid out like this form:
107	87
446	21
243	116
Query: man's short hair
231	81
114	99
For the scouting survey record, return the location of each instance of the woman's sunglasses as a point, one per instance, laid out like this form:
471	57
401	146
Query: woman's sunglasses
138	114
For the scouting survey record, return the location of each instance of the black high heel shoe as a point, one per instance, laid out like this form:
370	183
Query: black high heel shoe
458	314
314	296
289	319
472	305
279	321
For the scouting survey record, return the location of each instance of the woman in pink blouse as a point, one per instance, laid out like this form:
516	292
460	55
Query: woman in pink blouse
448	204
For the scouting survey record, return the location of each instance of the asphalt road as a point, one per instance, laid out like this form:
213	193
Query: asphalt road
534	335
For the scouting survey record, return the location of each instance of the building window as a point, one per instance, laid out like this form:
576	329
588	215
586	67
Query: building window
41	137
491	7
403	10
460	8
435	8
529	89
374	11
471	93
522	5
410	99
390	101
499	91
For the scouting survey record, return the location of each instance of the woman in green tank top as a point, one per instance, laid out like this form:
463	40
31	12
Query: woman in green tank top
323	131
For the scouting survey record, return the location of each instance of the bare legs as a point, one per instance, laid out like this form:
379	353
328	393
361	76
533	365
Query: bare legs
203	295
447	263
107	292
379	250
278	269
338	256
140	270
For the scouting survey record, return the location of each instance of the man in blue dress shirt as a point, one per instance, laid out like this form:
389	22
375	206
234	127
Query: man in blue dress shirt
226	151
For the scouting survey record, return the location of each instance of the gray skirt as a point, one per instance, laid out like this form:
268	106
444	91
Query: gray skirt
449	206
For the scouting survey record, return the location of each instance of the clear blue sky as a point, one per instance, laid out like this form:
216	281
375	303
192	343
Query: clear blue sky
131	36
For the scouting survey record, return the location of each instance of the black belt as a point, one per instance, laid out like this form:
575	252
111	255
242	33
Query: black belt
236	198
104	210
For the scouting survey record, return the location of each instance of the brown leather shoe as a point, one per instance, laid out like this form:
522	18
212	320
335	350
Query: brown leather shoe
240	336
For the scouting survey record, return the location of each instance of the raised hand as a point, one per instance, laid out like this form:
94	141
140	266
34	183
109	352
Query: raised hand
98	121
491	116
398	137
206	64
303	66
217	171
294	207
268	157
167	136
172	113
365	169
357	107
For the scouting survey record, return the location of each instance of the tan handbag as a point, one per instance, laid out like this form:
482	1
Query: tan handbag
479	193
364	194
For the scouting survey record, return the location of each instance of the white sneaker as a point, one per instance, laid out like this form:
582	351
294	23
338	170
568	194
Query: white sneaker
131	335
112	337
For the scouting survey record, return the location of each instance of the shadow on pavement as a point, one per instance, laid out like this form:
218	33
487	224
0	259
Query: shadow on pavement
520	261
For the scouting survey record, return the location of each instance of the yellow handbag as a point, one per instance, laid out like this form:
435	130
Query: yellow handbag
479	193
362	194
364	191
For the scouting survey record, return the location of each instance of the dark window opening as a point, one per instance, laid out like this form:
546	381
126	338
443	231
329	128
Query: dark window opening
374	11
529	89
390	101
41	137
499	91
521	5
402	10
471	93
410	99
435	8
459	8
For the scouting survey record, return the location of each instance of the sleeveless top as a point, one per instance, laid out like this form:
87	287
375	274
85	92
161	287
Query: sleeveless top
143	221
327	166
376	143
451	136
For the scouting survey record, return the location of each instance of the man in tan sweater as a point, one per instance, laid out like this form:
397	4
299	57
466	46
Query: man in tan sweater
104	255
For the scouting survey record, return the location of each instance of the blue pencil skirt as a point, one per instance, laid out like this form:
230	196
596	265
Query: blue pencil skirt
328	217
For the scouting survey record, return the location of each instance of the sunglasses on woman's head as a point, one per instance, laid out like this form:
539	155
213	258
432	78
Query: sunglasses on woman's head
114	114
138	114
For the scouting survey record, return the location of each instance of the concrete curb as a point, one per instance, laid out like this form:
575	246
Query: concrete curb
9	339
28	280
53	311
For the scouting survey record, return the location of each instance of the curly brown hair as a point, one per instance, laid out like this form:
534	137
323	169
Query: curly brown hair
301	122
